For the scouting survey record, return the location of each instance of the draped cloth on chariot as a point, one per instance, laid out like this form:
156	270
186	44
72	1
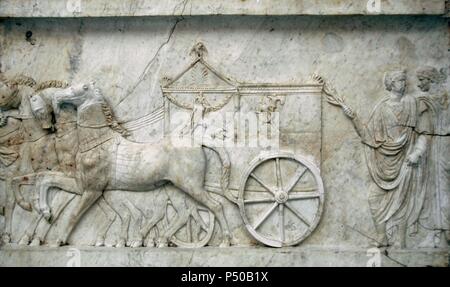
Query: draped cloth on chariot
389	138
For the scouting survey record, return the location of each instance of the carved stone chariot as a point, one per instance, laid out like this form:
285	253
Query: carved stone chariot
276	185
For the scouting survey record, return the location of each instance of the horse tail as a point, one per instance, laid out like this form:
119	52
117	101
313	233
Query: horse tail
226	169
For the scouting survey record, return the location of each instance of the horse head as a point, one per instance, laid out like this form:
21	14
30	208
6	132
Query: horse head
75	95
41	110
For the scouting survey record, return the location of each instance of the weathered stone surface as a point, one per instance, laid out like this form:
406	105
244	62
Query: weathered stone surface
216	257
108	8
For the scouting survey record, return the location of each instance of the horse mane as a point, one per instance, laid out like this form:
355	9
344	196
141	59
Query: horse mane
110	118
19	80
51	84
22	80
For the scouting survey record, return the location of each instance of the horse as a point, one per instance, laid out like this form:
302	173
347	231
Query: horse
35	149
106	160
66	146
66	143
10	141
37	152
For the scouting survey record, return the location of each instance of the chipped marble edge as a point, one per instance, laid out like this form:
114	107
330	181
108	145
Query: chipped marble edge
124	8
256	256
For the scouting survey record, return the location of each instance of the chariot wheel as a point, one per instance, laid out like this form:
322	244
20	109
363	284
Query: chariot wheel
192	234
281	199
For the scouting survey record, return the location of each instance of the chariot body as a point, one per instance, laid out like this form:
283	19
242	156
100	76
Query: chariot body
272	135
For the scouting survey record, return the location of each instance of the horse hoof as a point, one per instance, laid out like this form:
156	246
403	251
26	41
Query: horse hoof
35	242
150	243
56	243
26	206
24	240
48	216
162	243
120	244
99	244
225	243
110	244
136	243
6	238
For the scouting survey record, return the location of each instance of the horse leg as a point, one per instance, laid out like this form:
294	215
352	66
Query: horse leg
9	211
201	195
135	240
180	220
29	232
184	208
121	212
199	222
110	217
16	183
46	180
126	217
157	217
86	201
158	214
59	203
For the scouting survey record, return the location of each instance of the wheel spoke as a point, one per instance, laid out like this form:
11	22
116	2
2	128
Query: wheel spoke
298	214
281	223
259	200
255	177
304	195
203	224
189	229
304	189
278	173
264	217
298	174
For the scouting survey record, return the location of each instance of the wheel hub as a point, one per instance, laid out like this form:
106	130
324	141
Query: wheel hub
281	197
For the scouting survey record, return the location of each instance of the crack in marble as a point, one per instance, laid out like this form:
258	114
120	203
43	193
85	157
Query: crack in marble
143	75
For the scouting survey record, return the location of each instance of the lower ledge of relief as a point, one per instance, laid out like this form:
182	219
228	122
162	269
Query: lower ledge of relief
214	256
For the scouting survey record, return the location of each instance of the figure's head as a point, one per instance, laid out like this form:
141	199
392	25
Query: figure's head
8	95
427	76
395	82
